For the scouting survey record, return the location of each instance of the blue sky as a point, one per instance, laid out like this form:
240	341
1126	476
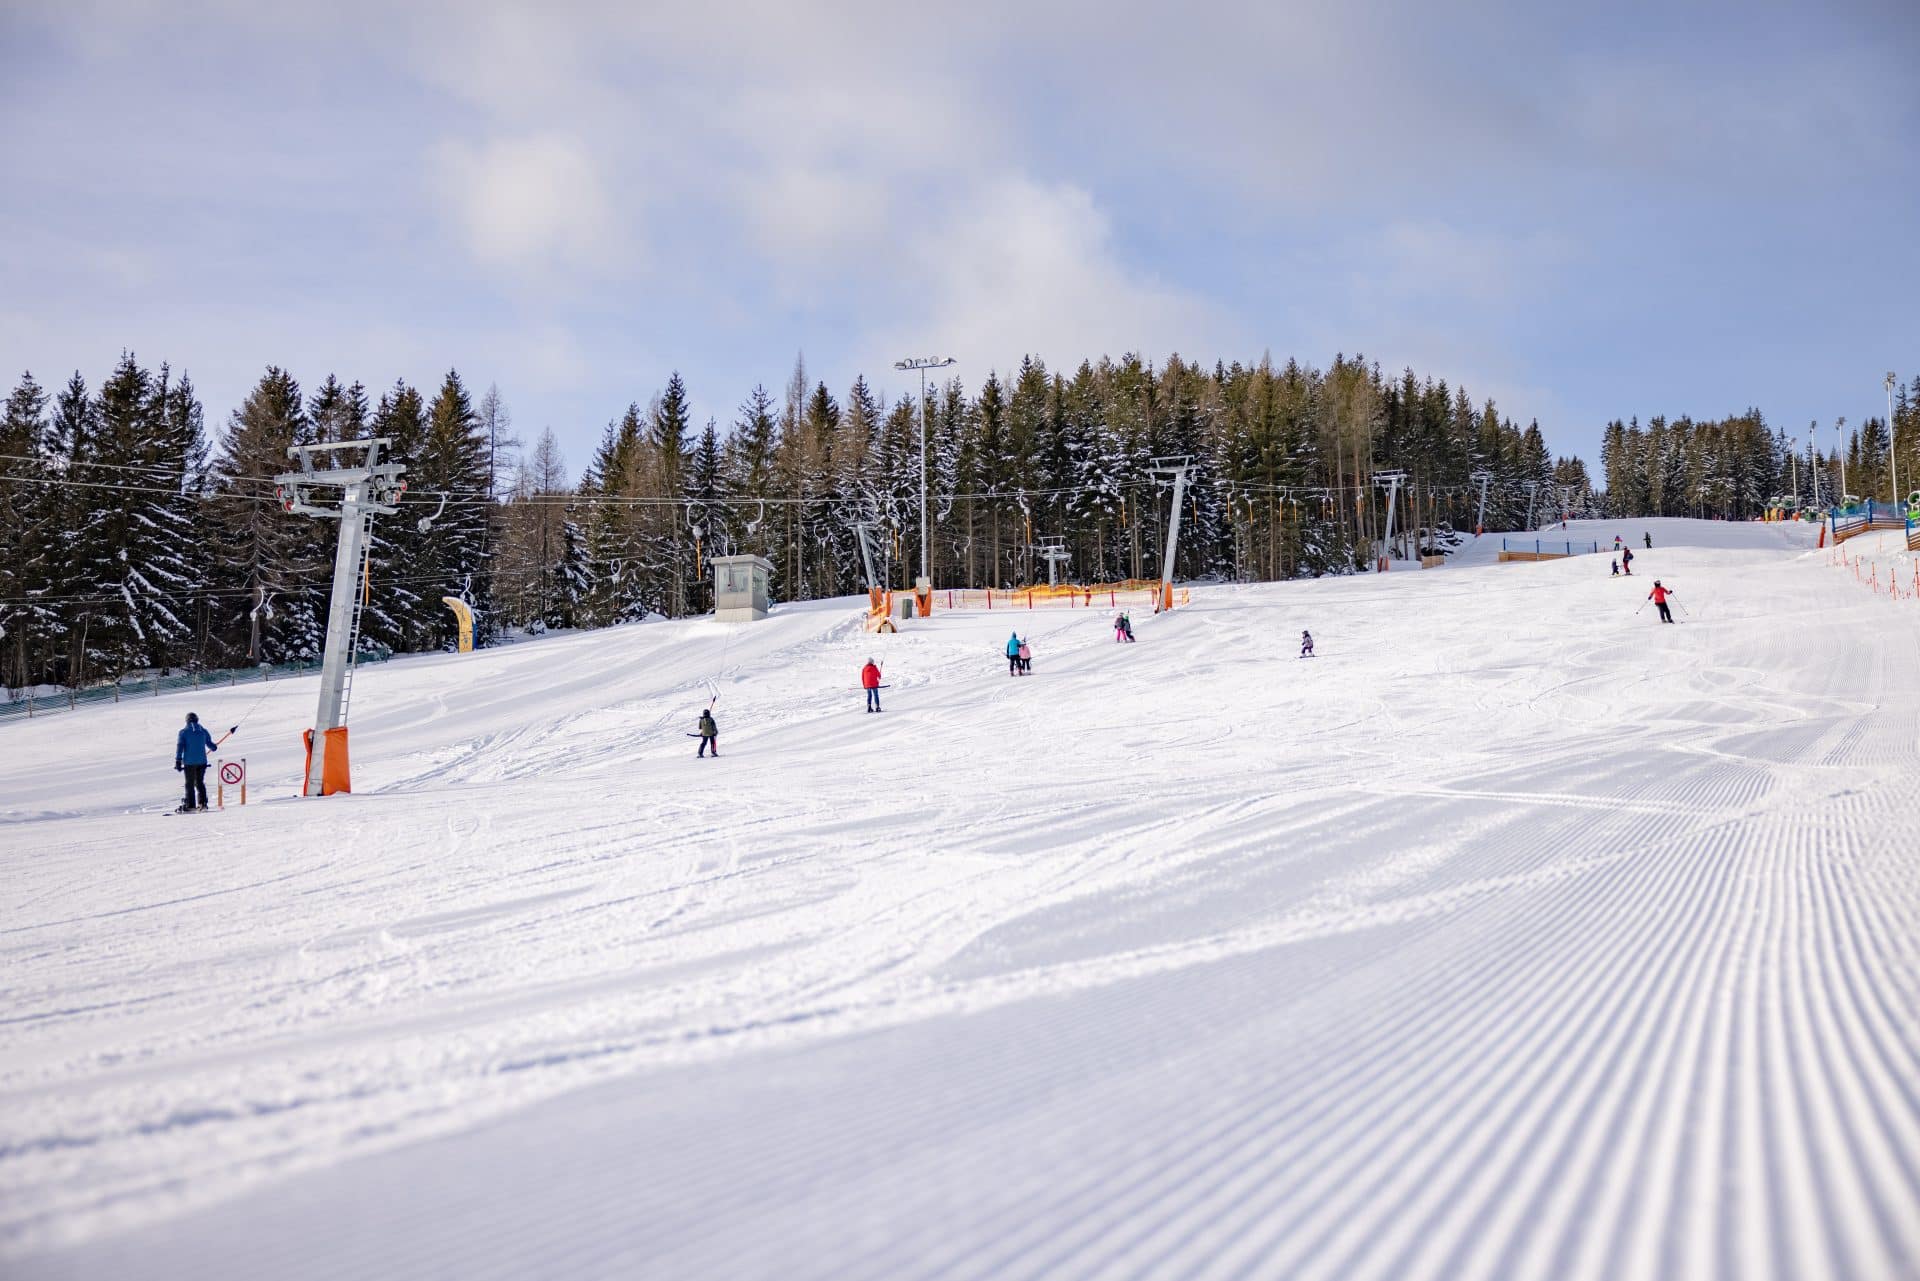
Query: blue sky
1678	208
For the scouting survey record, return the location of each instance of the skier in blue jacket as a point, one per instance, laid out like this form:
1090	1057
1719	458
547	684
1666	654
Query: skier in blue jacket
1013	654
190	758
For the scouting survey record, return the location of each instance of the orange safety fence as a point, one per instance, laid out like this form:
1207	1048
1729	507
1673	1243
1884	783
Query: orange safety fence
1866	572
1140	595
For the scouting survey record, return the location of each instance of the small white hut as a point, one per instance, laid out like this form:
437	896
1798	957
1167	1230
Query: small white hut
740	588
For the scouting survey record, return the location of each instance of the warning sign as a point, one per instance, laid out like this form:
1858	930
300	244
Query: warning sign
232	772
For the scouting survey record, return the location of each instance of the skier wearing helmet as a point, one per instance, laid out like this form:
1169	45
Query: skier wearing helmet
1659	596
190	752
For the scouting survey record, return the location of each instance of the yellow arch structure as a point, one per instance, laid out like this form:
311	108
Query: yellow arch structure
464	614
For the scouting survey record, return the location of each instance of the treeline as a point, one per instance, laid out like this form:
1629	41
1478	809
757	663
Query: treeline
1736	468
130	541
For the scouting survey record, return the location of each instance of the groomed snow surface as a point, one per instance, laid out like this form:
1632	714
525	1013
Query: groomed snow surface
1516	935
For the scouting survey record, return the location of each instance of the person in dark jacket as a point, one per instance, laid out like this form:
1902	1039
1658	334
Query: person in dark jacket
1648	535
190	753
709	734
1306	644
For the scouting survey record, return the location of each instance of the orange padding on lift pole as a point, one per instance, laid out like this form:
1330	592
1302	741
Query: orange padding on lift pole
334	774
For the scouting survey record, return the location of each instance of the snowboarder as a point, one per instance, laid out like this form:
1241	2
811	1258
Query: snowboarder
1626	561
190	758
709	734
1306	643
1616	567
1659	596
1648	535
1013	654
1026	660
870	681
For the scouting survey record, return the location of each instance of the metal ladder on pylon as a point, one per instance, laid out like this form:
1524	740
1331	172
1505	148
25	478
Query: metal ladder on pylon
359	604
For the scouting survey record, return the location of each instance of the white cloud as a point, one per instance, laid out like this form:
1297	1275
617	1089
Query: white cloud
1430	259
1029	267
529	204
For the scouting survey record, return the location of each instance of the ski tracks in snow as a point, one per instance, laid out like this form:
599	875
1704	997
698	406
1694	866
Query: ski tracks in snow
1569	948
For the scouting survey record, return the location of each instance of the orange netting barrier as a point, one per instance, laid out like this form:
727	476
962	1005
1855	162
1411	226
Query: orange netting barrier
1136	594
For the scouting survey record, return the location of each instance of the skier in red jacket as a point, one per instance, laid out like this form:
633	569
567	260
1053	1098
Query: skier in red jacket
870	681
1659	596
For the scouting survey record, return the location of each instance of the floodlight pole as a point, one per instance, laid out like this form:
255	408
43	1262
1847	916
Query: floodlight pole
1813	461
1893	447
1483	478
366	490
923	364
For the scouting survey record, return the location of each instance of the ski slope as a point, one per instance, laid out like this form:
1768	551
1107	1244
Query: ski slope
1516	935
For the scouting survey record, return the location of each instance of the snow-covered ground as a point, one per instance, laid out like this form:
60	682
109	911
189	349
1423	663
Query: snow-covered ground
1515	935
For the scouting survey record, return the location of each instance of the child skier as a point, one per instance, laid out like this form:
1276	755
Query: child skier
1616	567
870	681
1306	643
190	758
1659	596
1026	659
1013	654
709	734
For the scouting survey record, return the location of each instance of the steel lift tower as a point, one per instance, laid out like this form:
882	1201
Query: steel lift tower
371	489
1175	469
1391	482
1482	478
1054	551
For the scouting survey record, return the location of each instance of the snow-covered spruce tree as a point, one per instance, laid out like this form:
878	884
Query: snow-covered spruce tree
271	559
613	533
455	552
336	412
668	544
572	578
750	466
403	609
28	533
710	523
70	433
817	555
181	450
134	544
